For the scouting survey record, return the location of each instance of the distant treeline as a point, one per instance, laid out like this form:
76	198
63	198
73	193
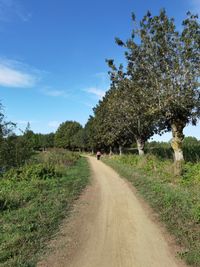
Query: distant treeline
15	150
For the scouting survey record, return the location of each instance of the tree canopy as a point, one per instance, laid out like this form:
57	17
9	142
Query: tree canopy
65	135
158	90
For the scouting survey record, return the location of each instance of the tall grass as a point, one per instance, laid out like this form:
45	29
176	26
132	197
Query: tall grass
177	200
33	201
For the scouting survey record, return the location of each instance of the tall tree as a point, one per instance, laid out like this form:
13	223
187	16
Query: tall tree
64	136
131	105
172	67
90	134
14	150
167	63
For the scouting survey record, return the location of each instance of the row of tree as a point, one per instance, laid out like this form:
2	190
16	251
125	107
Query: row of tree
15	150
157	91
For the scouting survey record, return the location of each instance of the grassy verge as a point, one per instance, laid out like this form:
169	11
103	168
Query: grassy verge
176	200
32	205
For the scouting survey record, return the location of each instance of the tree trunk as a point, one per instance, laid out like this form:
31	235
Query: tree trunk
110	153
177	140
120	150
140	146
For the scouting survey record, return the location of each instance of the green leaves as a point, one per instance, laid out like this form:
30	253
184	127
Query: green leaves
65	135
159	86
133	16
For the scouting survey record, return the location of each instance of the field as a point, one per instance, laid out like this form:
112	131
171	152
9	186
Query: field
33	201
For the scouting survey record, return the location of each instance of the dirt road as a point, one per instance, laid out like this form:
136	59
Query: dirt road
110	228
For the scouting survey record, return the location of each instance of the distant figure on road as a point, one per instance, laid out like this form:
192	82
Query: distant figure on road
98	155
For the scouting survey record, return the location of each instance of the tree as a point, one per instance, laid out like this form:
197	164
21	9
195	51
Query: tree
168	63
131	105
14	150
6	128
79	139
49	140
191	141
64	136
109	124
43	141
90	134
29	138
172	60
104	132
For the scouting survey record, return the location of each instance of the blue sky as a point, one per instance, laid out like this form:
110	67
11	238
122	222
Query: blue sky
52	55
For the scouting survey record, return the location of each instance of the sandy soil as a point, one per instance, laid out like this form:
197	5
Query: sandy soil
110	227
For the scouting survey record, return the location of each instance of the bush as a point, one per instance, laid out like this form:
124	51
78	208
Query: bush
191	174
59	157
34	171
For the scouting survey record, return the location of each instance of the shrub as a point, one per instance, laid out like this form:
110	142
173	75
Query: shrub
34	171
191	174
59	157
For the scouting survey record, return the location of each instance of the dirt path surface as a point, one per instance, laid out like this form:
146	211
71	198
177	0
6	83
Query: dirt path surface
109	227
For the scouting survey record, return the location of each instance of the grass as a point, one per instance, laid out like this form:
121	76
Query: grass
176	200
32	209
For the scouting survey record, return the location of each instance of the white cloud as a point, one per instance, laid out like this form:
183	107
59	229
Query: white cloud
16	74
95	91
54	124
15	78
55	93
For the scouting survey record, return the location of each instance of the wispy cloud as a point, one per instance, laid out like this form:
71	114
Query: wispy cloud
16	74
13	9
95	91
54	124
55	93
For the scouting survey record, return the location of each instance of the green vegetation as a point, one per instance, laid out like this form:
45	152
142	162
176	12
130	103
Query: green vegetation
176	199
34	199
191	149
156	91
16	150
67	134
